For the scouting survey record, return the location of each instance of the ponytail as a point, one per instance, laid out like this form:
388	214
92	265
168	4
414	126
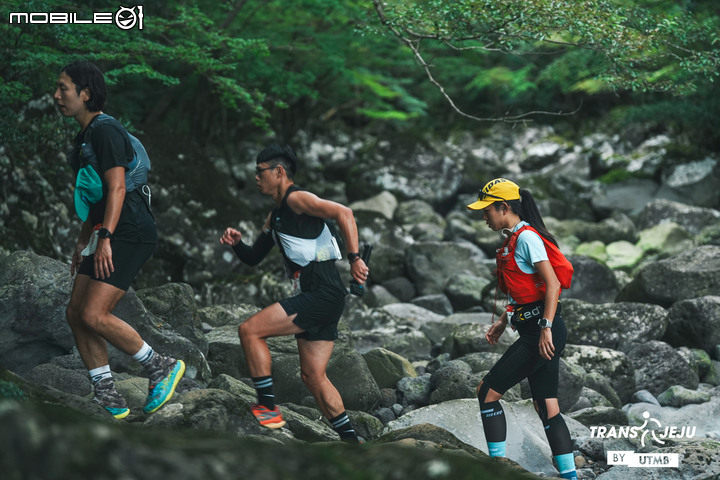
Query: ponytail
527	209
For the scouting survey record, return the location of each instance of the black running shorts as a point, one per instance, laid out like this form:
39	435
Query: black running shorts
128	259
523	360
318	313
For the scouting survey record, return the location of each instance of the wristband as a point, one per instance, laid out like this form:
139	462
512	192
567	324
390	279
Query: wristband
353	257
104	233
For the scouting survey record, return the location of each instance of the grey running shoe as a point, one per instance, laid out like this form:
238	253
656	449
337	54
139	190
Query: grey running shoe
108	397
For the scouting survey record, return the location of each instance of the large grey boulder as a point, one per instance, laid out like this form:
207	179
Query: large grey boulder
175	304
465	291
694	323
691	218
695	181
422	173
614	365
592	281
613	325
453	380
431	264
690	274
387	367
658	366
526	441
470	338
34	293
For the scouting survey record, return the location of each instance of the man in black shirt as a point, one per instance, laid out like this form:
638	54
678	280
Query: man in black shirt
117	237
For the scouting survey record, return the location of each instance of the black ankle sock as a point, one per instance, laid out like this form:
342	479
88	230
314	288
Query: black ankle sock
342	425
265	391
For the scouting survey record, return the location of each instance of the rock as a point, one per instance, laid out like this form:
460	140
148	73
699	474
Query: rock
465	291
526	441
410	314
600	384
452	381
414	212
623	255
592	281
383	203
387	368
379	296
69	381
415	390
159	335
629	196
431	264
225	355
712	376
470	338
695	181
694	323
423	173
665	239
709	235
175	304
678	396
658	366
480	362
590	398
34	294
193	454
691	274
595	250
600	416
401	288
409	343
691	218
438	303
347	371
614	365
225	314
702	420
643	396
570	384
613	325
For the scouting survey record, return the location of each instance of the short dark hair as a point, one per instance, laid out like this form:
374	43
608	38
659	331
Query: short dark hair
84	75
280	154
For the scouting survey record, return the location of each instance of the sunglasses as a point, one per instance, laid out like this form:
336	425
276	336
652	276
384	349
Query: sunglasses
482	196
258	170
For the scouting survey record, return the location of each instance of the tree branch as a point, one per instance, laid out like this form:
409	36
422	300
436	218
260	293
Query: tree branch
414	46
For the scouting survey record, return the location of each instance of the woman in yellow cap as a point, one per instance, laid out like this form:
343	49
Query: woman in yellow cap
532	272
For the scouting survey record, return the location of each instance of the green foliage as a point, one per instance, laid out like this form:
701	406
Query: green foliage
588	47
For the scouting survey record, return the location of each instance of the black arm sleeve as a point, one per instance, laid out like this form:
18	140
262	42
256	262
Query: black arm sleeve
253	255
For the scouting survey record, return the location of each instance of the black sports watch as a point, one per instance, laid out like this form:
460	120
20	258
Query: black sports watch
104	233
545	323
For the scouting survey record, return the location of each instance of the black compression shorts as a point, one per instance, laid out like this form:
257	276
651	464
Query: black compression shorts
523	360
318	313
128	259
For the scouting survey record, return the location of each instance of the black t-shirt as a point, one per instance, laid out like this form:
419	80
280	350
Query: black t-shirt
112	148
